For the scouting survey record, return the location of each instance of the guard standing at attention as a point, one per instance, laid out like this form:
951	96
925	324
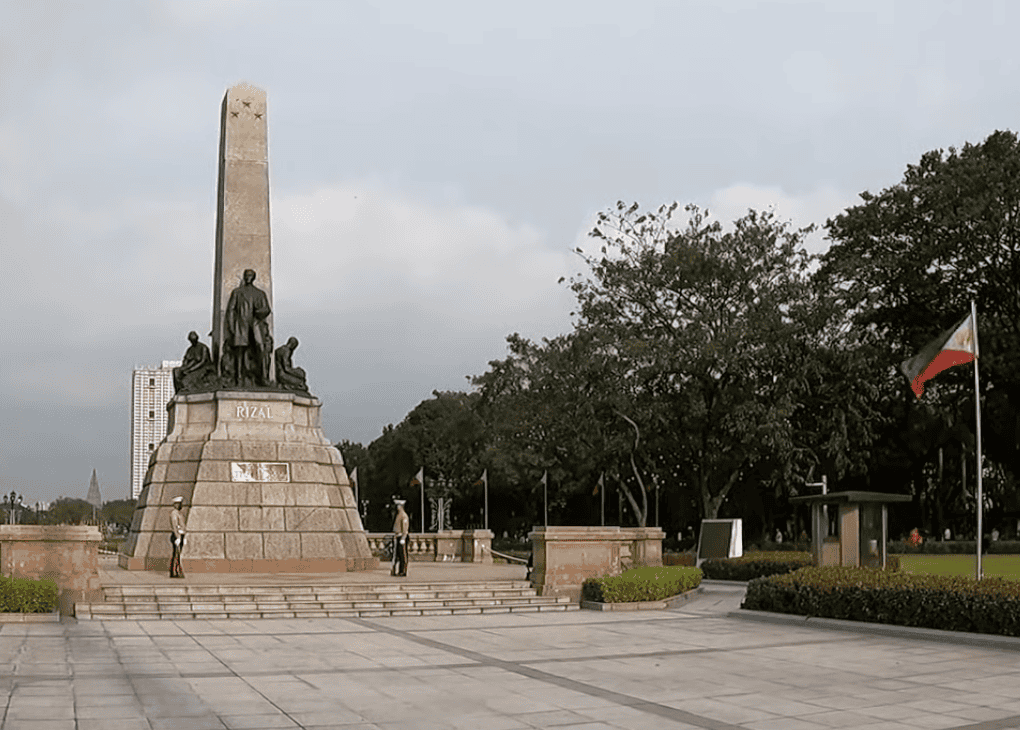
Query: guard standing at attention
177	529
401	533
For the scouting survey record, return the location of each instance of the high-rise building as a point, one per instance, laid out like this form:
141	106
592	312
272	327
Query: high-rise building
151	389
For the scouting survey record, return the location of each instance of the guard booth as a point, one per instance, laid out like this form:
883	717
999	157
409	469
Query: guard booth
850	528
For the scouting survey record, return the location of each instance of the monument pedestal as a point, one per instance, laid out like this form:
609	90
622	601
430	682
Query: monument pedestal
264	490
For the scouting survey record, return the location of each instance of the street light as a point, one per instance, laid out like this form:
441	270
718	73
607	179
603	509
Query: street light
10	503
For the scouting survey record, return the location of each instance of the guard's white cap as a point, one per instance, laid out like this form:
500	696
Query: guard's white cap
175	500
399	501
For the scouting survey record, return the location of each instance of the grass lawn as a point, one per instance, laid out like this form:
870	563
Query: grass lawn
1004	566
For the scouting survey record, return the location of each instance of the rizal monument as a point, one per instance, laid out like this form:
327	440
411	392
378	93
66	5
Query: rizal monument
264	490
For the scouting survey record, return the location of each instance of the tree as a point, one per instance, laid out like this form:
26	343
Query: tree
69	511
557	406
908	260
446	437
705	321
119	512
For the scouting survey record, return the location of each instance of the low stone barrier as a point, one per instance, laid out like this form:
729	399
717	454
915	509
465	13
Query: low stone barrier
565	556
457	546
66	554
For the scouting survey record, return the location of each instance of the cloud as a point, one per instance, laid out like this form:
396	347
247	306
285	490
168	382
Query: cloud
815	206
378	247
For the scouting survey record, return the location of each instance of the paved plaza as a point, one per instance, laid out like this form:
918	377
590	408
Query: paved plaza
689	667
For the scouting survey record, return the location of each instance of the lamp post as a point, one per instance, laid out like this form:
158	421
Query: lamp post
11	502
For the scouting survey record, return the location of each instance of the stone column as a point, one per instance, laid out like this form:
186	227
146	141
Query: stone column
242	205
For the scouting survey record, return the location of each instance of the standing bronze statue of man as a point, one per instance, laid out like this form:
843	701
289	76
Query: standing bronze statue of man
247	344
401	537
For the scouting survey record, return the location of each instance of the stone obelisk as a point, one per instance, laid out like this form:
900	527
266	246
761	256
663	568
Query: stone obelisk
242	202
263	488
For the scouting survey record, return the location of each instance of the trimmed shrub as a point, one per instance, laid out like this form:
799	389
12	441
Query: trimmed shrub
768	546
754	565
22	595
952	603
641	584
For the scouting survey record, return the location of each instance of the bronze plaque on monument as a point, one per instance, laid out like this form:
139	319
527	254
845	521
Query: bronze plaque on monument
259	471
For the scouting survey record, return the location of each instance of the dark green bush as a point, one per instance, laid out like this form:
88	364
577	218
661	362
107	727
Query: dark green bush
641	584
767	546
954	547
952	603
21	595
754	565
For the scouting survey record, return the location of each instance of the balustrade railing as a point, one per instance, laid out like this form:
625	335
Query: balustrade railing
463	546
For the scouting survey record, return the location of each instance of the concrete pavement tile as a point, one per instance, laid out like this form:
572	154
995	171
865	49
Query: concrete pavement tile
838	718
784	723
14	724
20	699
517	704
888	712
106	700
113	712
257	722
186	723
138	723
722	711
652	722
552	718
936	705
983	714
770	703
56	712
487	722
335	717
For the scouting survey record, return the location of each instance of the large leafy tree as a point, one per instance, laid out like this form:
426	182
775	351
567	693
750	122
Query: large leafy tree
706	321
906	262
562	406
118	512
444	435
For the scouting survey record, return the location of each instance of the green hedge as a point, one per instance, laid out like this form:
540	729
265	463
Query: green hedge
641	584
952	603
754	565
955	547
21	595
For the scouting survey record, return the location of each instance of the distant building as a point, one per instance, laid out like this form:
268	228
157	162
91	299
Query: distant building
151	389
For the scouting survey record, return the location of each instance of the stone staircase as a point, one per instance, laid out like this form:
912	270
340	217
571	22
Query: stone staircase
153	602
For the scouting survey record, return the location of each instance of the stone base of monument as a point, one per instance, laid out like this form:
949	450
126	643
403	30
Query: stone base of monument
264	490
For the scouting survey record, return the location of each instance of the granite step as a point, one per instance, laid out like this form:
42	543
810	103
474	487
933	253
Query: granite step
155	602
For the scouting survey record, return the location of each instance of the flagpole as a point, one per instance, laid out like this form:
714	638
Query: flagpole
422	482
545	486
485	481
977	432
602	485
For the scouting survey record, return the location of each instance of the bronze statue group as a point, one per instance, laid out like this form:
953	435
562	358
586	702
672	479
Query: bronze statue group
247	347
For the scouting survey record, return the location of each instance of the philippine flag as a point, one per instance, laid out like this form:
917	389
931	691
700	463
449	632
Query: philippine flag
955	346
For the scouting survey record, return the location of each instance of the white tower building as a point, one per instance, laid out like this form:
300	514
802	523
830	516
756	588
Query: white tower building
151	389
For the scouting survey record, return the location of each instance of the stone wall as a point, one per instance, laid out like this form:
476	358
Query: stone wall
67	555
565	556
459	546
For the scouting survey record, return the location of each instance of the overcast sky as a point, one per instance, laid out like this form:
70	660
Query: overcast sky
432	165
